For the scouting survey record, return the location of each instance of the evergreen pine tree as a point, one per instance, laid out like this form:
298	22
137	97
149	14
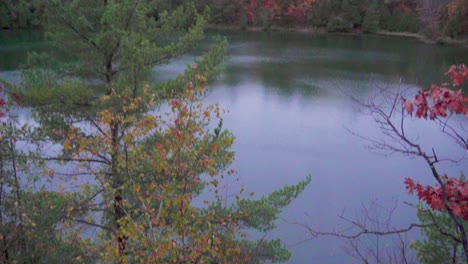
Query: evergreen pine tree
96	107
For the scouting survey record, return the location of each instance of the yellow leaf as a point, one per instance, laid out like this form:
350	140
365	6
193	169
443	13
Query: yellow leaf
66	146
136	188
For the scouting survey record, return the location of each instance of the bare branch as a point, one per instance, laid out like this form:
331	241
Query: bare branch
80	160
396	140
91	224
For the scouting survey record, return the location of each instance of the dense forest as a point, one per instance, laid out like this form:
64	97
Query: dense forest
432	18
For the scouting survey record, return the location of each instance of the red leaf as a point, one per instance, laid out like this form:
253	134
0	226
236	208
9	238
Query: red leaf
456	190
408	106
457	210
463	189
438	100
409	185
458	74
15	95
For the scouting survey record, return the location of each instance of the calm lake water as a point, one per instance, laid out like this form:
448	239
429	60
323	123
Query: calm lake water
285	106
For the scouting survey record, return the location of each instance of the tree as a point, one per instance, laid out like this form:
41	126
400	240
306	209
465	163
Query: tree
403	21
384	15
300	11
451	194
455	24
139	168
320	13
26	234
437	246
266	12
223	11
115	43
350	12
437	103
370	23
339	24
26	14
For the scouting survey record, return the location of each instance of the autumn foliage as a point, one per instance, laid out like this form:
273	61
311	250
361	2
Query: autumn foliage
3	101
274	10
438	102
299	11
457	194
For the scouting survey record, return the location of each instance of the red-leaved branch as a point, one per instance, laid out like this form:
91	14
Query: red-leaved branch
439	101
457	195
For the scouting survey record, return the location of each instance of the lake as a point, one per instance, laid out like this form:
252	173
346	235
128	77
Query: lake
283	93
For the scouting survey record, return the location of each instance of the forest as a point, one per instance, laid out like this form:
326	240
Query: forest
433	19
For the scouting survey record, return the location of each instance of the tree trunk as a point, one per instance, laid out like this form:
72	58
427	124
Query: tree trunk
4	258
117	184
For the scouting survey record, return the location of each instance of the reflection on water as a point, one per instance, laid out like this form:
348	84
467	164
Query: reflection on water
15	45
289	116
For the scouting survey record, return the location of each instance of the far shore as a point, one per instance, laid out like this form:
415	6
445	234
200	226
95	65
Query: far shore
322	31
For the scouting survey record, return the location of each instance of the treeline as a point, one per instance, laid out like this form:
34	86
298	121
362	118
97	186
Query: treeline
23	14
32	14
432	18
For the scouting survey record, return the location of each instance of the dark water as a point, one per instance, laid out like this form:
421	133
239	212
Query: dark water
285	106
15	45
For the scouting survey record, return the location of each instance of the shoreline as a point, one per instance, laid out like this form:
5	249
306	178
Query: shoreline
322	31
